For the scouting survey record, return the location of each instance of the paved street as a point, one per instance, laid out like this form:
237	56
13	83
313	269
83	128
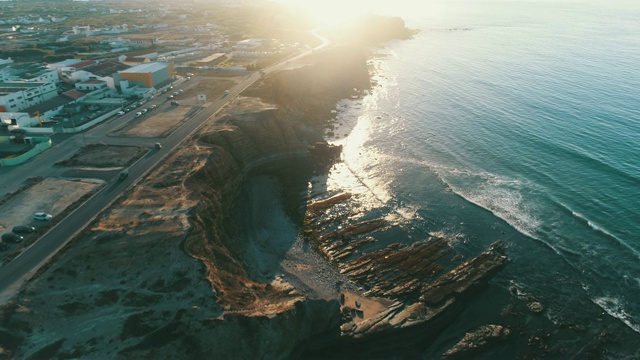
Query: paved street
15	273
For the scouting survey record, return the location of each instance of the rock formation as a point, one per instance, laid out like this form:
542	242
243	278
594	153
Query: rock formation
158	276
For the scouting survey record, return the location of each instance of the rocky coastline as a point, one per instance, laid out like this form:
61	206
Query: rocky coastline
164	273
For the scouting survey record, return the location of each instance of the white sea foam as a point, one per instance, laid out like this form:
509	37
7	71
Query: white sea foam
596	227
498	194
615	307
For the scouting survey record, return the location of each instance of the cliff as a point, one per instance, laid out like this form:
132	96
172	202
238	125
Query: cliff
161	274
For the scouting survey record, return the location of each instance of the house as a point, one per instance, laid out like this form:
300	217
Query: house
135	61
81	29
95	89
137	57
91	85
67	65
248	44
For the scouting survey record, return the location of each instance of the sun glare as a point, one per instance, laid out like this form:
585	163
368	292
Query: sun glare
330	13
333	13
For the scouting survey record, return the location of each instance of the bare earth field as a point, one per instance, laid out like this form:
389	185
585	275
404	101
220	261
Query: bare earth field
160	122
52	196
163	120
104	156
211	88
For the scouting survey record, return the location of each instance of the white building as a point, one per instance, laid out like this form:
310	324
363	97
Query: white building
64	64
18	95
91	85
34	72
15	119
248	44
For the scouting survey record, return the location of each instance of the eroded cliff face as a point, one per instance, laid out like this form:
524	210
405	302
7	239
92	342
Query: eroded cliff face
247	140
159	276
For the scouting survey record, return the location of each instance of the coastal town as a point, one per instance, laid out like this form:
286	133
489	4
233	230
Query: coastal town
121	66
58	79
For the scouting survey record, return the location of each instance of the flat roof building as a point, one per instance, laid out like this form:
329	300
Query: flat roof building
151	75
18	95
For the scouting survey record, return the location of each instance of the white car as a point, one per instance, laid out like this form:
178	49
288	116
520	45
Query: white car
138	114
42	216
120	113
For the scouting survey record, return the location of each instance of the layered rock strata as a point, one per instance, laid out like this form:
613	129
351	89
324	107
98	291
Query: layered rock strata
125	287
425	295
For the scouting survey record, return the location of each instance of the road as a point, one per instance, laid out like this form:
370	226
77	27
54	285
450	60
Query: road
18	271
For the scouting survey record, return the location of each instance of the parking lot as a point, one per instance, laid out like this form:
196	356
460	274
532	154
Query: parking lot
51	196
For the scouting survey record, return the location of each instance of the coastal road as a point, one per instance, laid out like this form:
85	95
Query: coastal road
18	271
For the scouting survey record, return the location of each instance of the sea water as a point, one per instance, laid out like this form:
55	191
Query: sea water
517	121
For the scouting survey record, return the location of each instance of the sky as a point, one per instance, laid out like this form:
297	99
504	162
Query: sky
329	12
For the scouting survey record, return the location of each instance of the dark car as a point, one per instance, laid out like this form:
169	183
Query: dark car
11	237
23	229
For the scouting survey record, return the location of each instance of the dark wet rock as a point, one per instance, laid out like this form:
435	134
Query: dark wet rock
457	257
476	341
466	275
398	271
427	300
535	307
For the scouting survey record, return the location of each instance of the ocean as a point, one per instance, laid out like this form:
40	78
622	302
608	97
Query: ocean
517	121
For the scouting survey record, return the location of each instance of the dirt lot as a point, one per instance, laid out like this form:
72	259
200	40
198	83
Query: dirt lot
104	156
46	196
159	122
52	196
163	120
211	88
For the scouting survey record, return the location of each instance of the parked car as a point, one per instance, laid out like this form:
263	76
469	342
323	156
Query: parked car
143	111
175	103
180	91
23	229
158	146
42	216
189	74
169	97
11	237
120	113
138	114
188	78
